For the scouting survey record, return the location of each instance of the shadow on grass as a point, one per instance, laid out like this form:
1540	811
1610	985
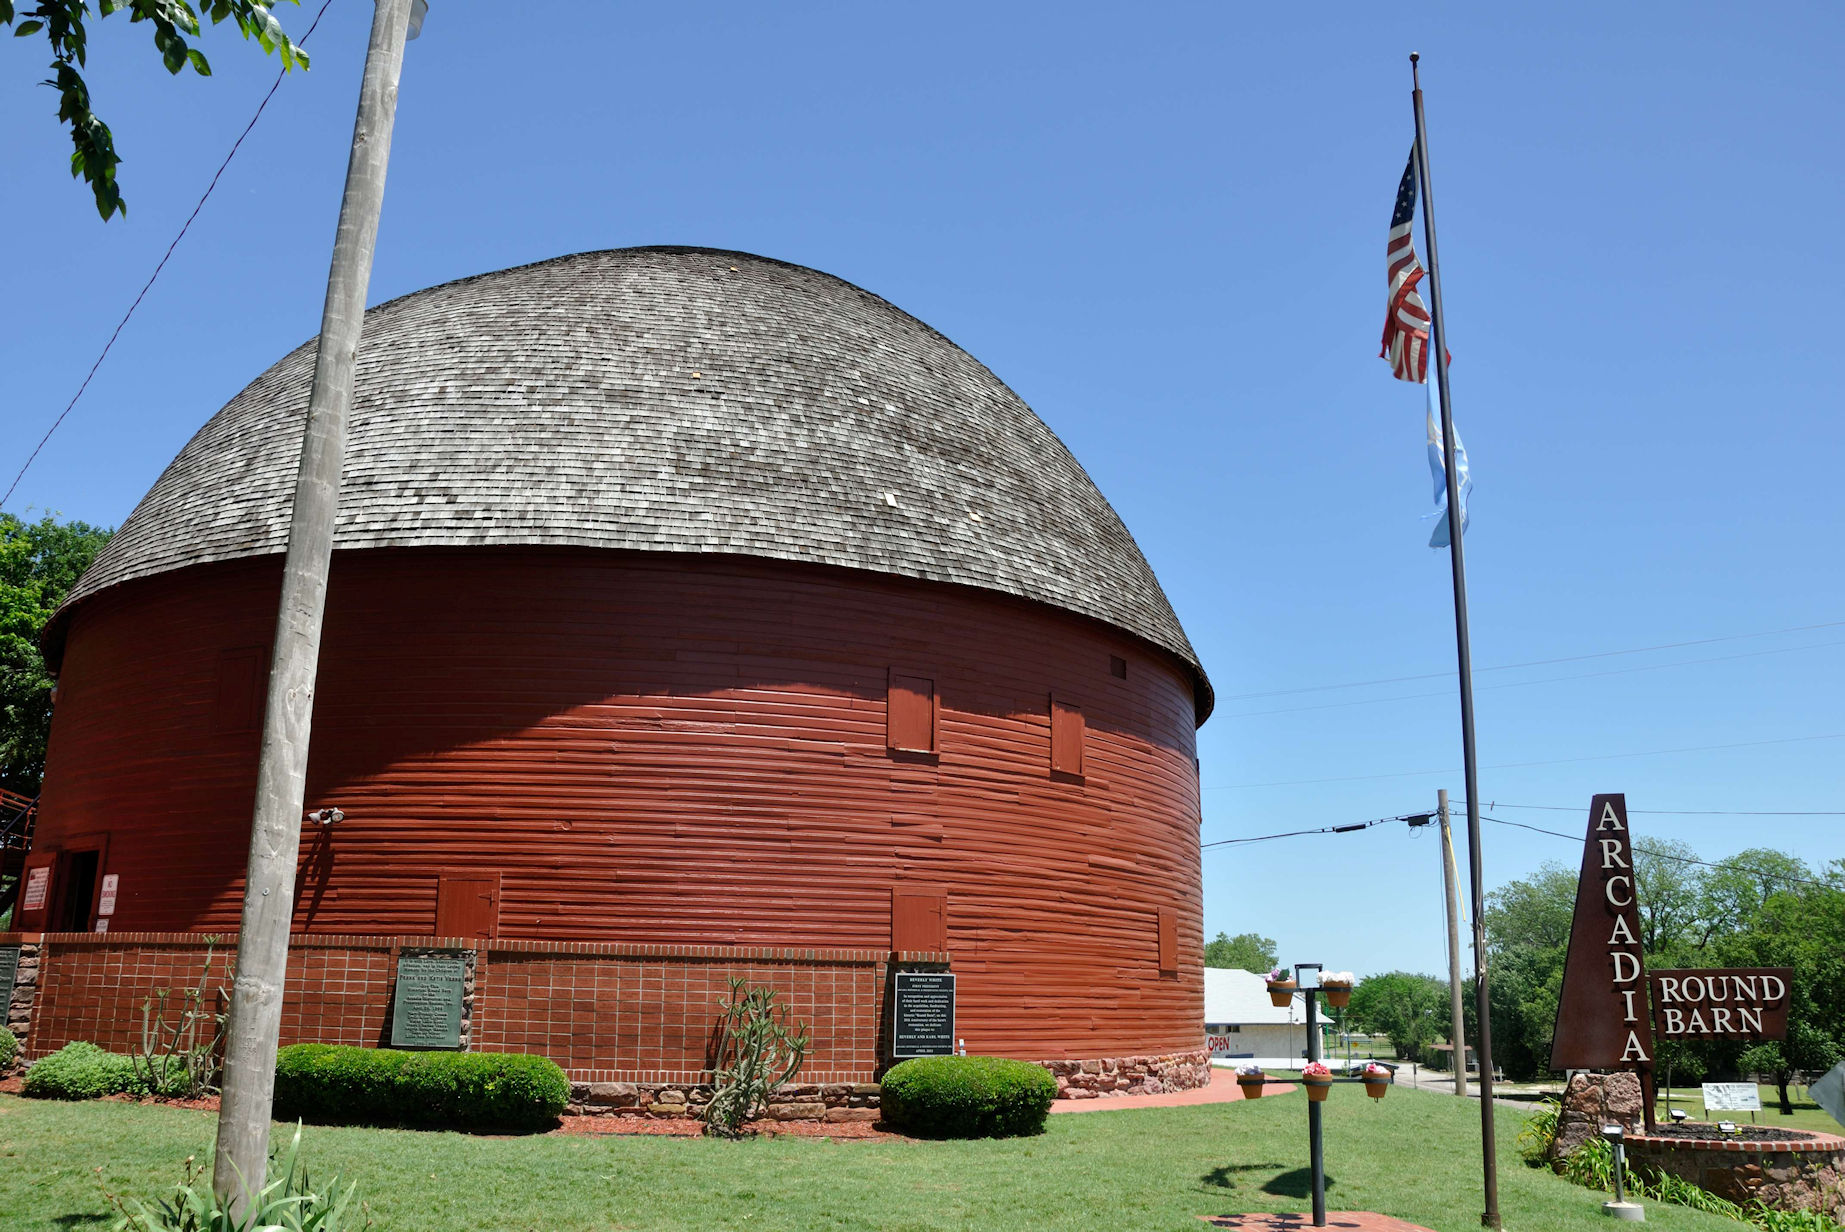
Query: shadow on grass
1297	1183
80	1221
1221	1176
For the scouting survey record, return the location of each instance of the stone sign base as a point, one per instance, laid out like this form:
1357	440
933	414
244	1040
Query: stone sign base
1805	1175
1592	1101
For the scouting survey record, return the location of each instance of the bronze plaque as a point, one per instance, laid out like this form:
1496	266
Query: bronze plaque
1740	1003
427	1013
1602	1021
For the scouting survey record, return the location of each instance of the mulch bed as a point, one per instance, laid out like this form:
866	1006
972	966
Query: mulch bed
1747	1133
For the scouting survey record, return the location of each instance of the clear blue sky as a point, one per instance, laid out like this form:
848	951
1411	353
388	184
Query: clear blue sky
1165	228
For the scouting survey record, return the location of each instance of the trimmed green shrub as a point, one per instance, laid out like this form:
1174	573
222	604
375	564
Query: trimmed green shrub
968	1097
81	1070
9	1049
338	1085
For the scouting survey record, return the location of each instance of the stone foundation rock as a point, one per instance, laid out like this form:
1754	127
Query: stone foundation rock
1095	1078
1595	1100
1139	1075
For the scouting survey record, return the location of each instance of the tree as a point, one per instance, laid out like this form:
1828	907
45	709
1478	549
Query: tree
1736	890
39	562
1411	1009
1669	883
1246	951
1802	928
64	25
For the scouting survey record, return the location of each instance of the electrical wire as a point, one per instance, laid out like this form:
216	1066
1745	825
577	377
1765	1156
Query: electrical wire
1577	808
1341	829
148	286
1519	684
1506	667
1769	874
1765	873
1520	765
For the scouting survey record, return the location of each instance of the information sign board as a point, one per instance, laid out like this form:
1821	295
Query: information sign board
9	971
427	1009
38	888
105	902
1732	1097
922	1014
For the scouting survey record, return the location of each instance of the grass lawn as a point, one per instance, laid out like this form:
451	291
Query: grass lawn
1807	1114
1414	1156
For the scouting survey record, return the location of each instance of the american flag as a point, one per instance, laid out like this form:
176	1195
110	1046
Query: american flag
1406	319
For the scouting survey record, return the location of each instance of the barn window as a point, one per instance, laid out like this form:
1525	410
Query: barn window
1117	667
1169	941
911	712
918	921
1066	737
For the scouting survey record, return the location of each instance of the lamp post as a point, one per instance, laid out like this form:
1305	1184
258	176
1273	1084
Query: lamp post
1621	1208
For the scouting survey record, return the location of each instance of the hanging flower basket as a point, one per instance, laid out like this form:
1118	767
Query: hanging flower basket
1251	1078
1318	1081
1377	1080
1337	985
1281	988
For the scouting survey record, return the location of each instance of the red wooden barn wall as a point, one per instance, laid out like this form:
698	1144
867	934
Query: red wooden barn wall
669	750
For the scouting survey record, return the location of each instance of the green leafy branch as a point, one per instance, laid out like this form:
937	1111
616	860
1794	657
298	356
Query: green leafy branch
64	25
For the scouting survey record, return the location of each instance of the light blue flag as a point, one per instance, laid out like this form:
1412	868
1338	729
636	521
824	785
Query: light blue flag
1439	539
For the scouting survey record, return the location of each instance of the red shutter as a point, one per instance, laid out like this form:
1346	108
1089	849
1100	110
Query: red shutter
918	922
1066	737
468	906
1169	941
910	713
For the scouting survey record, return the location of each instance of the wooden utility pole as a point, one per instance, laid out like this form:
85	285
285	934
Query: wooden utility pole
275	832
1457	1032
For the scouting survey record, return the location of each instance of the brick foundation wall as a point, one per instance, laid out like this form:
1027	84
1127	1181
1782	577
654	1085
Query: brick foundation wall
1790	1176
632	1026
607	1013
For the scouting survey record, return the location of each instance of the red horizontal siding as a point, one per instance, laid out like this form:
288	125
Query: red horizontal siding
667	750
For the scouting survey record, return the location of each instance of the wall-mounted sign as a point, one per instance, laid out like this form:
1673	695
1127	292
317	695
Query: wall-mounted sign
1732	1097
102	924
922	1014
38	889
9	971
105	902
427	1008
1602	1021
1746	1003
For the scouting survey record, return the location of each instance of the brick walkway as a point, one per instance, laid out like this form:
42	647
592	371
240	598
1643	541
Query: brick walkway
1223	1090
1345	1221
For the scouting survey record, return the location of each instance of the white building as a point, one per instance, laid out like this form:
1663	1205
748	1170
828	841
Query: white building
1242	1024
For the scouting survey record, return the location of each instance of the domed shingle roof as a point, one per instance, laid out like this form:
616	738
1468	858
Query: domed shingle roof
666	399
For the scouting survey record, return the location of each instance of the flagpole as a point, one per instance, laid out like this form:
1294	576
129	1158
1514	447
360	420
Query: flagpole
1484	1045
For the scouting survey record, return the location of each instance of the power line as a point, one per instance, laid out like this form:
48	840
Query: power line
1519	765
1423	817
1519	684
184	227
1506	667
1349	827
1666	855
1577	808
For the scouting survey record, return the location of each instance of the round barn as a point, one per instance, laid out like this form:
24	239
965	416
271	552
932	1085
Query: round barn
685	603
